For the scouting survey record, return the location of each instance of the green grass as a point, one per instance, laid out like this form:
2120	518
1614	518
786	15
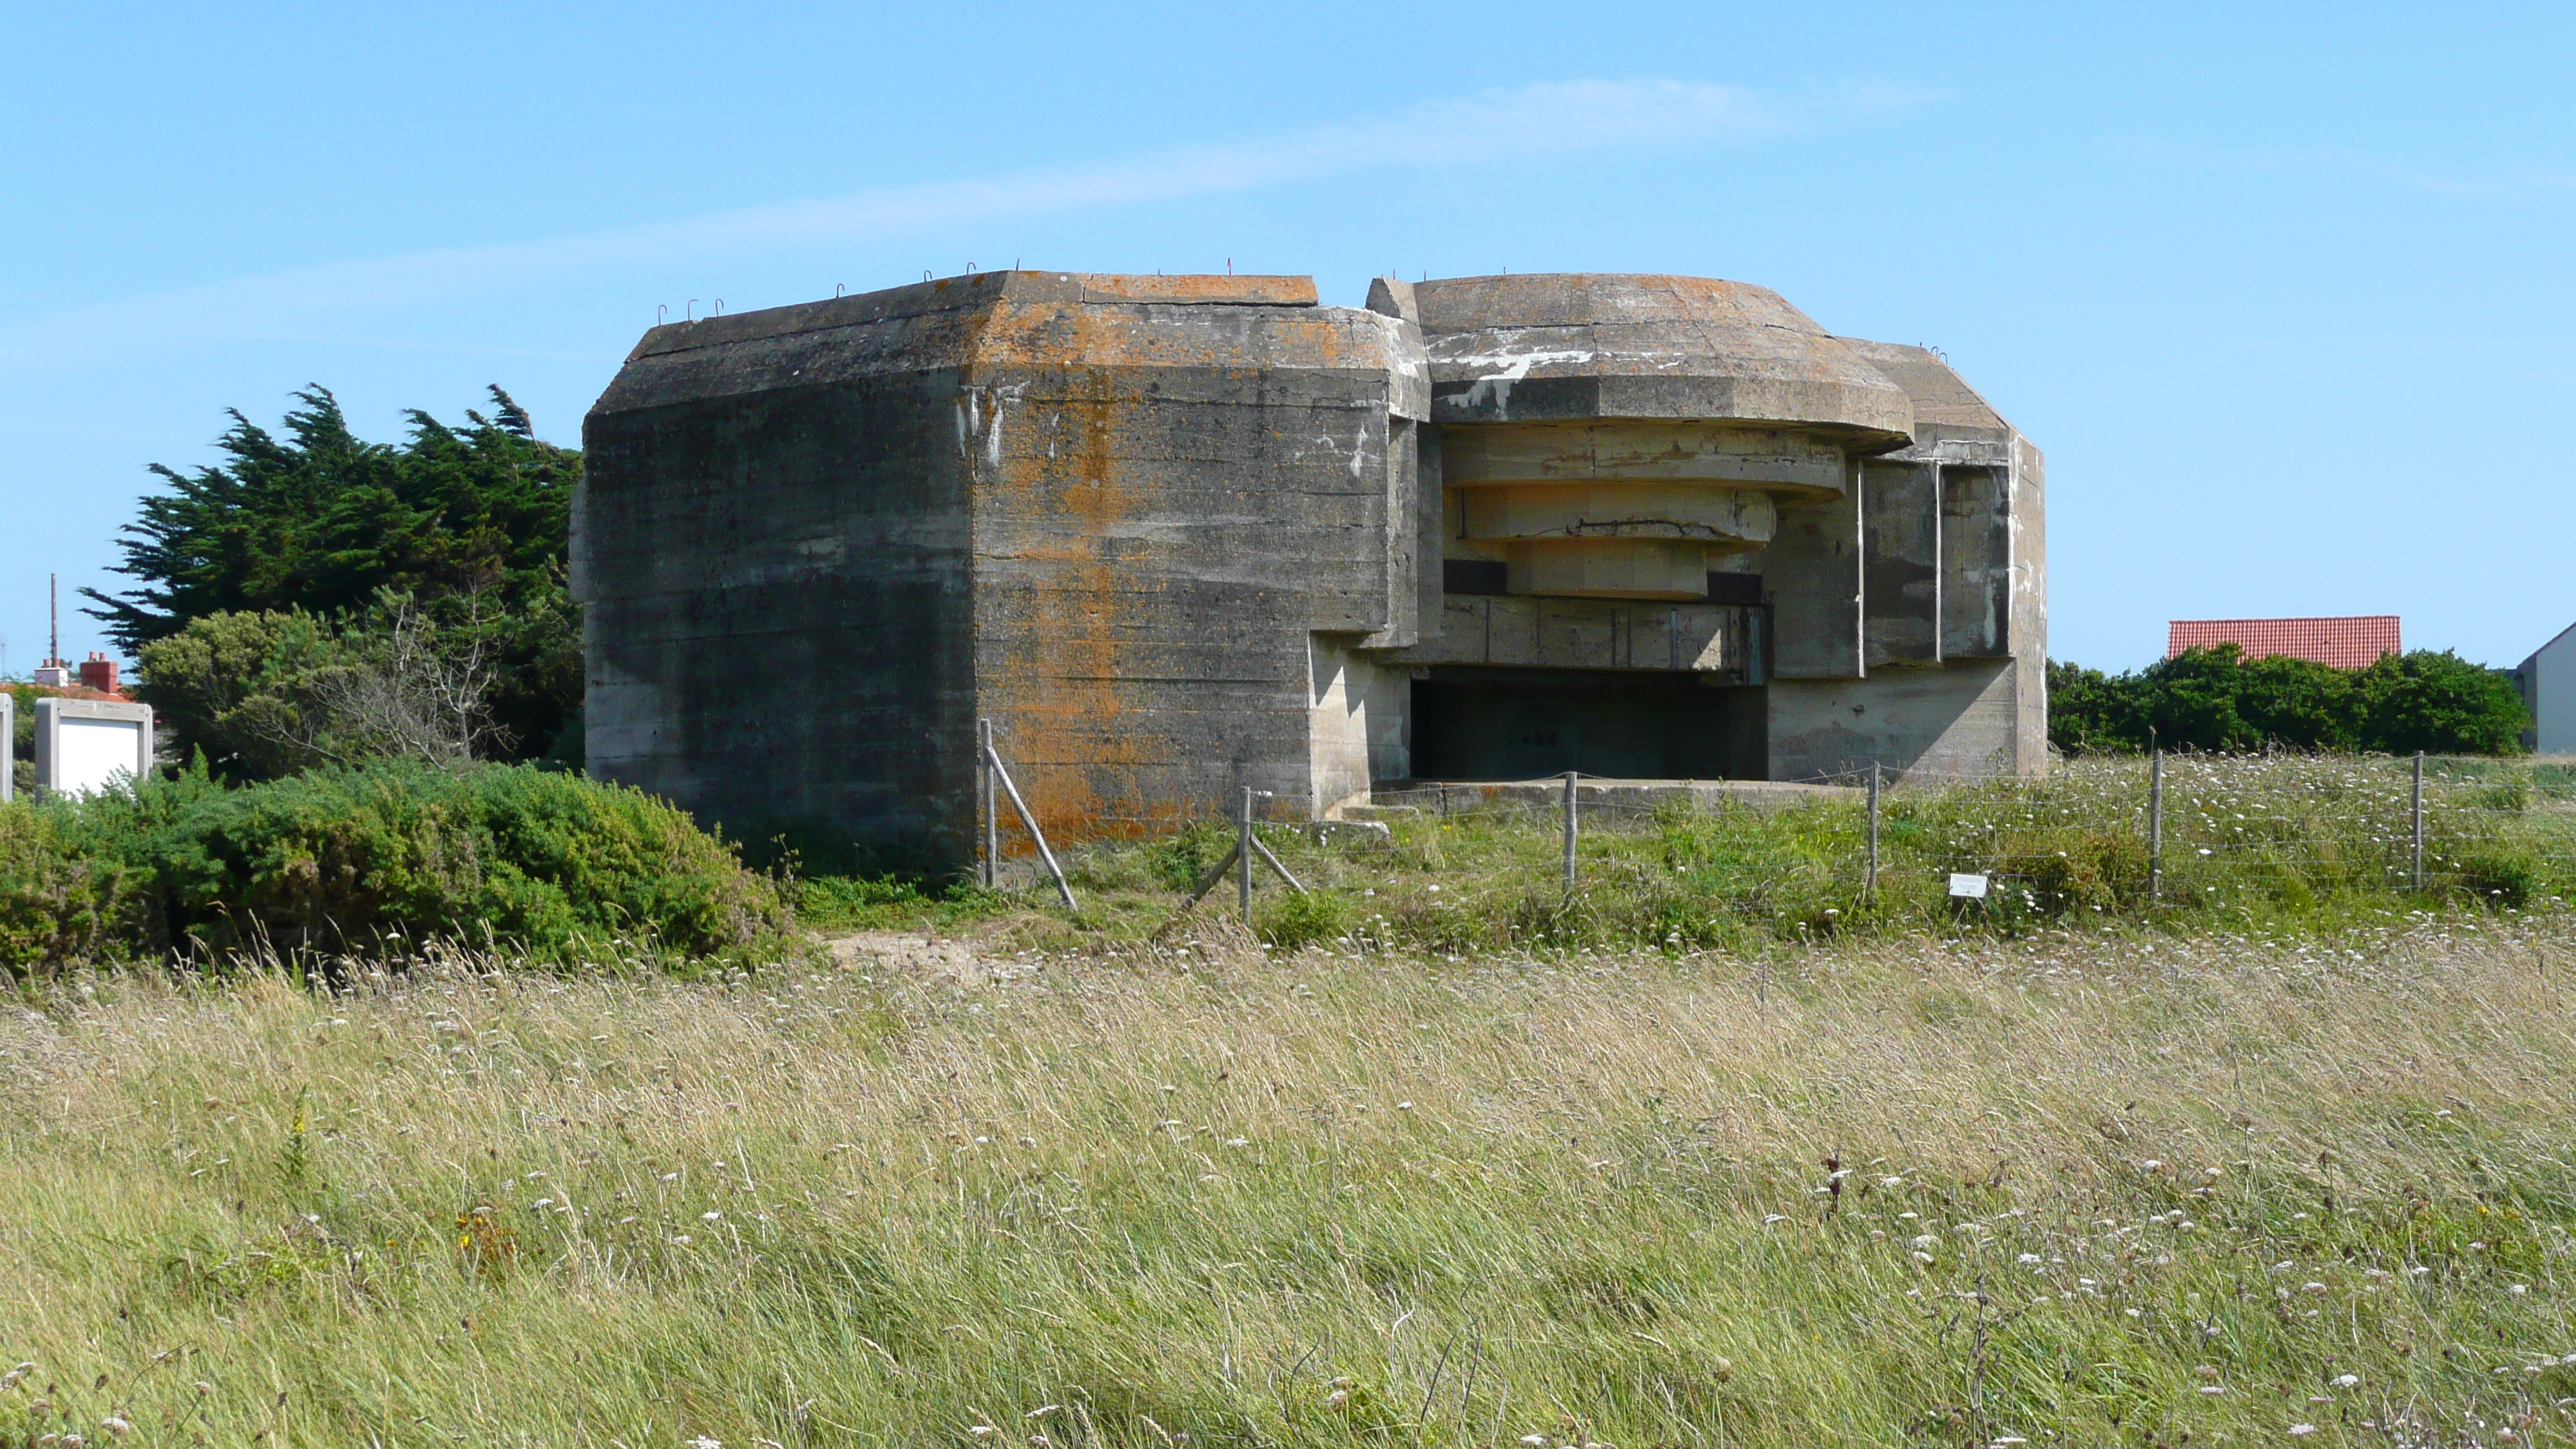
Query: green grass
2278	842
1888	1192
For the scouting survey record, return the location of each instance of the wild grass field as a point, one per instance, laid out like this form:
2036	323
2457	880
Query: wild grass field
2098	1187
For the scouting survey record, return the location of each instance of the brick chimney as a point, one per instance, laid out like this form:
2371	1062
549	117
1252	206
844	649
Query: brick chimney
98	672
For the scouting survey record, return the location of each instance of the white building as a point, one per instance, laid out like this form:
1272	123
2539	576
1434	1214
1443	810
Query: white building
2548	683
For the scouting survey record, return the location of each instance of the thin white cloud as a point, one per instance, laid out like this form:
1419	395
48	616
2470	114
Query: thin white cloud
1539	120
2524	184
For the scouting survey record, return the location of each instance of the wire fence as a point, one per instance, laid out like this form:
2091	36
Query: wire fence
2102	834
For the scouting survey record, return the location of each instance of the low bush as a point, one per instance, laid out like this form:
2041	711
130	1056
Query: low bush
859	902
54	905
2216	699
1303	918
890	902
389	856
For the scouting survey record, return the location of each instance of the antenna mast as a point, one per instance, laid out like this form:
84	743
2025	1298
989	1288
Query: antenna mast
53	619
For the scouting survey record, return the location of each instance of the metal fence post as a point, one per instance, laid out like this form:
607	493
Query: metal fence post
1869	888
2155	826
1243	857
988	805
2419	820
1029	822
1570	777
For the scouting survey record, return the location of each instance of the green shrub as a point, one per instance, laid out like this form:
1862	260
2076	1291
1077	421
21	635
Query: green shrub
1180	861
2499	875
1294	919
858	902
536	863
2065	870
54	905
2440	704
2216	699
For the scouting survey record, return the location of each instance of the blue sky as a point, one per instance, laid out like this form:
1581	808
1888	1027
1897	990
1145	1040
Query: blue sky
2285	293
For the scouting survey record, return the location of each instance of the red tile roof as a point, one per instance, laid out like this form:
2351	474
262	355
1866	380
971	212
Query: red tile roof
2353	642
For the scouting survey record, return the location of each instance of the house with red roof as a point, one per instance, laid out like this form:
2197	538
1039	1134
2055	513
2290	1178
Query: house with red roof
2350	641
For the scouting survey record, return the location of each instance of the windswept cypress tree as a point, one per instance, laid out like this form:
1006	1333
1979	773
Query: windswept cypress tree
470	523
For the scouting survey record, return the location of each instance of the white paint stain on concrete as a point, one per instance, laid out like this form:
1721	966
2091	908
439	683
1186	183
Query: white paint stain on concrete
1509	368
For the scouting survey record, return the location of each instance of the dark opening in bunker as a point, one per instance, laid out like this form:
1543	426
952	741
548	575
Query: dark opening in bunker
1473	723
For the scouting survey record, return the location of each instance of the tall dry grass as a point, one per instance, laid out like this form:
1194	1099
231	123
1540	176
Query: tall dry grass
2083	1191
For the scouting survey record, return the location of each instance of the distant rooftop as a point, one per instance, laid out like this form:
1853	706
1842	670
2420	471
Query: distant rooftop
2354	641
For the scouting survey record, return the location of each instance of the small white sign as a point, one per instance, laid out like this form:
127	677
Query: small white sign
1968	887
84	746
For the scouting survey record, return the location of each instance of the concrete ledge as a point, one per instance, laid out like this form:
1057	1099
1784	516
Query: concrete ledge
1347	834
1436	797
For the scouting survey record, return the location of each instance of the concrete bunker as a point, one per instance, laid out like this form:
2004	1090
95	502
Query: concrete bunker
1181	535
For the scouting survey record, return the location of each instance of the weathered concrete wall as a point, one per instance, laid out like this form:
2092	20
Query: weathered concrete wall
1170	502
1957	573
1962	719
1505	630
1109	513
1812	573
1976	562
2029	632
1901	564
1542	347
1357	725
777	594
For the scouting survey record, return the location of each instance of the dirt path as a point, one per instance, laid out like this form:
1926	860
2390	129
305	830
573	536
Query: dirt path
914	953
